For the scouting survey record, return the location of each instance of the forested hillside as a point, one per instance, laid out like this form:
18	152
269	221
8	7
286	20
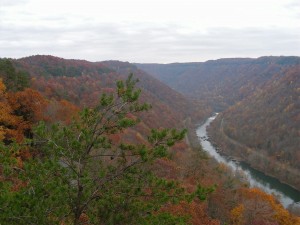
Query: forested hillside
168	73
267	123
261	102
220	83
81	145
90	79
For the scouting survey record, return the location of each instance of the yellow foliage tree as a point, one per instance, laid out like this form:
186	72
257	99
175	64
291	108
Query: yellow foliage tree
236	215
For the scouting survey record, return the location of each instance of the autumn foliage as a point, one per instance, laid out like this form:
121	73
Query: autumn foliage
19	111
258	207
59	89
12	126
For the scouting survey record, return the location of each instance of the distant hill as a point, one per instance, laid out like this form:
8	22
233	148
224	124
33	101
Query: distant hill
81	82
175	100
168	73
220	83
47	65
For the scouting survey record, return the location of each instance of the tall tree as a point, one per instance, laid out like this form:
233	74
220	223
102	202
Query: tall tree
80	175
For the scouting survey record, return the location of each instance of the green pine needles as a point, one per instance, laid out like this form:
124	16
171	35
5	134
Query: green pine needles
80	176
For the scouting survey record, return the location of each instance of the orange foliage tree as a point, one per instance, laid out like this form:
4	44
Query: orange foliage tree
18	112
11	125
260	208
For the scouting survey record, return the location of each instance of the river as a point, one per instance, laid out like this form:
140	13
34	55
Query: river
285	193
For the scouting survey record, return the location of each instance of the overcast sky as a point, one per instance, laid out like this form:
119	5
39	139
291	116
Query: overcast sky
160	31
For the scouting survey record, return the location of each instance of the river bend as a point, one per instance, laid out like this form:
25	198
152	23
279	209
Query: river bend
286	194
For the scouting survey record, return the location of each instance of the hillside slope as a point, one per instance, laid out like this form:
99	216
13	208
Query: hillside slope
260	100
220	83
268	124
81	82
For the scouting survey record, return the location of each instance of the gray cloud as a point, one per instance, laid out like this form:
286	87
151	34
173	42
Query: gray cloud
6	3
144	42
293	5
294	8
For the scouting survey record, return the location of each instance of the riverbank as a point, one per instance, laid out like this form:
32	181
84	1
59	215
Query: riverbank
257	158
263	182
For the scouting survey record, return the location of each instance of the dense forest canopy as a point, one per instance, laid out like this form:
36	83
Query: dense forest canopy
80	144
